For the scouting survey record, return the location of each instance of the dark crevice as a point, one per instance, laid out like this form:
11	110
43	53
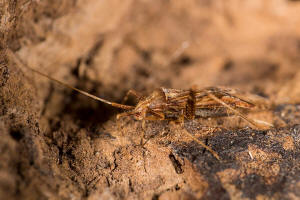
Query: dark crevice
16	134
60	155
75	71
145	54
107	182
155	197
92	53
142	71
130	186
206	143
115	160
20	180
47	99
4	74
228	65
183	61
69	154
176	164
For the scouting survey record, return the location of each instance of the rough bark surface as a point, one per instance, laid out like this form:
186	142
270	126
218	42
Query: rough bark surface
58	144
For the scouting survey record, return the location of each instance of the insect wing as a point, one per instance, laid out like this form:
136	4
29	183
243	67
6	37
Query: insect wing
176	98
205	106
176	102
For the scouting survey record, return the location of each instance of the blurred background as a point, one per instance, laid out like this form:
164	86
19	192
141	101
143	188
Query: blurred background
114	46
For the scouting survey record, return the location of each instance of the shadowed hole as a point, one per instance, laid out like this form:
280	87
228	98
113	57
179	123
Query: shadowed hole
228	65
16	134
185	60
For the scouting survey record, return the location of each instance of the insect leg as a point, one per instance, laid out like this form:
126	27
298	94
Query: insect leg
154	117
124	114
133	93
120	115
202	144
143	132
181	119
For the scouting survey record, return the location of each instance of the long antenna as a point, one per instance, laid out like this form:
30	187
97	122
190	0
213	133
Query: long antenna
19	62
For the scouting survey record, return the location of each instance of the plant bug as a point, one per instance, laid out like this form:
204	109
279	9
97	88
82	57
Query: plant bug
172	104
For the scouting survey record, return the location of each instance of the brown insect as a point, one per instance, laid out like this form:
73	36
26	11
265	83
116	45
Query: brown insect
173	104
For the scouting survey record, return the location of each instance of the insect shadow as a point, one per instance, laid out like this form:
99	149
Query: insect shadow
86	112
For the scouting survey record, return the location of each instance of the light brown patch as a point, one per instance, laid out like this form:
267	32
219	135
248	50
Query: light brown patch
226	177
264	197
195	182
292	196
263	164
288	143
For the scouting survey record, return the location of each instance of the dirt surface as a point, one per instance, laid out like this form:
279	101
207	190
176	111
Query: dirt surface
58	144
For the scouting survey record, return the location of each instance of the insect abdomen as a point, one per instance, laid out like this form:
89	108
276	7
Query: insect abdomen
210	112
192	104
